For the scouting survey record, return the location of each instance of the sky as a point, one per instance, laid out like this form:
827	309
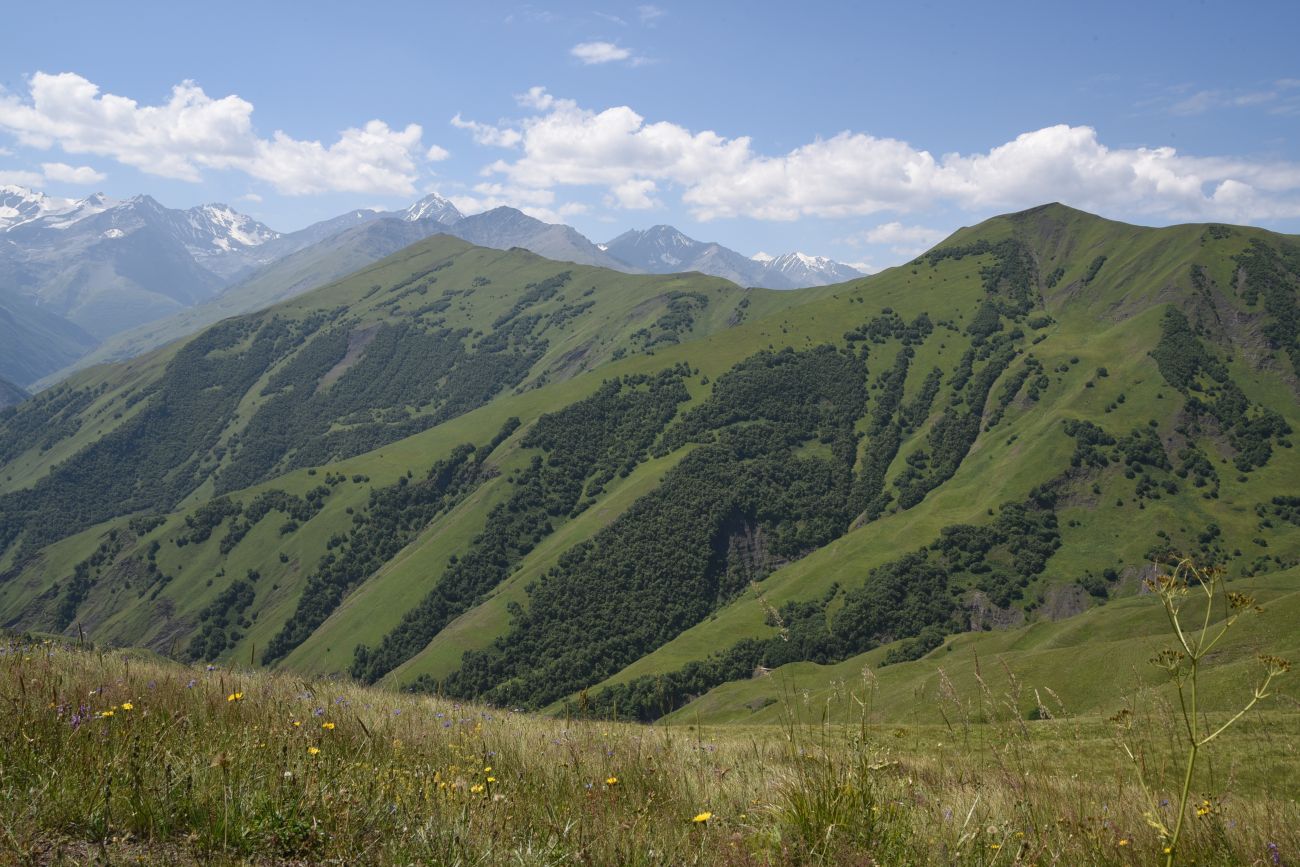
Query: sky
864	131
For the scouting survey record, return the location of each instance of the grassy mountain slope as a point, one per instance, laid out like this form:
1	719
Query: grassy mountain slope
10	394
317	265
517	496
34	341
329	251
1096	661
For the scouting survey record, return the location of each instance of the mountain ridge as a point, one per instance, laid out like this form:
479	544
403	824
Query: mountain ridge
690	481
127	270
663	249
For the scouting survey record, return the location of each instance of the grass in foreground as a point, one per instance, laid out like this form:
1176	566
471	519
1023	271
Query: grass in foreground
109	758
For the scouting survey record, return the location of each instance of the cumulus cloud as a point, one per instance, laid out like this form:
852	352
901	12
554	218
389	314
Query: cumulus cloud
20	178
191	132
591	53
534	202
536	98
487	134
634	195
902	239
57	172
72	174
856	174
897	233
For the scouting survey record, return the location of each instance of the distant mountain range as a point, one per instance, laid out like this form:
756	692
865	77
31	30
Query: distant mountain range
98	279
665	250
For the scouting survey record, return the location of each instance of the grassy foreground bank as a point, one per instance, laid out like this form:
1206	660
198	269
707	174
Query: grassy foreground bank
110	758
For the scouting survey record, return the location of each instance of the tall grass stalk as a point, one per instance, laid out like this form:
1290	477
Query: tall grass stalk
1201	611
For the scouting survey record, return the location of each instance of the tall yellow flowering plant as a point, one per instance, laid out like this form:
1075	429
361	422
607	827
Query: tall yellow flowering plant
1201	611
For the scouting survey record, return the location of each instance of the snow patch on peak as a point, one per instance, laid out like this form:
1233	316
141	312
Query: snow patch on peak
19	205
228	227
762	257
433	207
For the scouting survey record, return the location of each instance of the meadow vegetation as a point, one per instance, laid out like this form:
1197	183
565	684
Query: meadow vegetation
116	757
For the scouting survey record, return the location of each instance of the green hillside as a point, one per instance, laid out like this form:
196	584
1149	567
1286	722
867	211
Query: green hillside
305	269
34	341
10	394
541	485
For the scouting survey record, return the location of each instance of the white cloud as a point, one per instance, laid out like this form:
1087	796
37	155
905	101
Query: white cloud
436	154
634	195
533	202
902	239
486	134
649	13
897	233
856	174
536	98
251	197
192	131
72	174
591	53
21	178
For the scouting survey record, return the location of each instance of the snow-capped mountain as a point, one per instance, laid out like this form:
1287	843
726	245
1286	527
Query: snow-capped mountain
223	228
205	228
800	269
433	207
20	205
663	250
109	265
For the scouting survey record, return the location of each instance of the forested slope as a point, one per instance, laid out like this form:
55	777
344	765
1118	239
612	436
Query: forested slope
501	478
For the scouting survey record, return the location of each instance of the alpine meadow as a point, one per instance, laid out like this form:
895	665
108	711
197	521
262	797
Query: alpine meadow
438	533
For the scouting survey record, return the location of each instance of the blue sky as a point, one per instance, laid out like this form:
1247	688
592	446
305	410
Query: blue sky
864	131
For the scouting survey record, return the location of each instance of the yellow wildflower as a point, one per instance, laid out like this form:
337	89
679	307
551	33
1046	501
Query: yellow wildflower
702	817
105	714
313	751
328	726
126	705
611	781
1124	842
488	769
491	779
235	696
476	789
995	846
